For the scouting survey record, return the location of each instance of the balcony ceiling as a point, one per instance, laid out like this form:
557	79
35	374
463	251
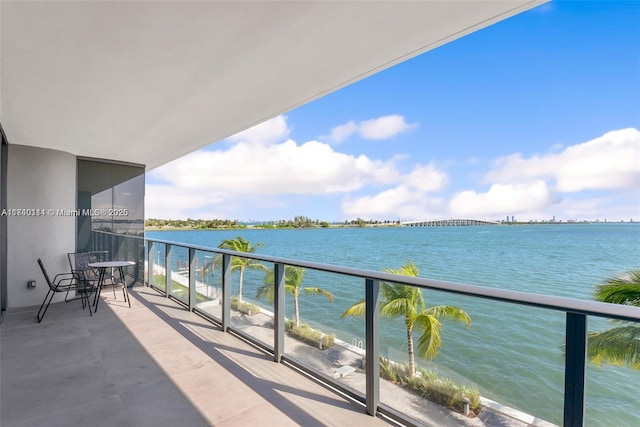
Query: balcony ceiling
148	82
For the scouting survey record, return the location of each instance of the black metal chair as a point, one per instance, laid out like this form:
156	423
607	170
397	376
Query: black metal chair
79	262
63	282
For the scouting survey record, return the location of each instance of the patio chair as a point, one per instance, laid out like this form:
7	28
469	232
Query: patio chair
63	282
79	262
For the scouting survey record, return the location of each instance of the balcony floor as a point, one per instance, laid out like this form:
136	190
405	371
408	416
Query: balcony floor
154	364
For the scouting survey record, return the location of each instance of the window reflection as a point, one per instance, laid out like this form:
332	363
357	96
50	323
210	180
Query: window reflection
111	205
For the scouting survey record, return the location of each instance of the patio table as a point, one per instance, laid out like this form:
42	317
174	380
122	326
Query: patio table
102	267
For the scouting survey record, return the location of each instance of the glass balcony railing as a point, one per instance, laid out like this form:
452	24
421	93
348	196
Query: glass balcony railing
327	320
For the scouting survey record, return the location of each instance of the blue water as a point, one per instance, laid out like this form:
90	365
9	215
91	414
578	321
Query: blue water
511	353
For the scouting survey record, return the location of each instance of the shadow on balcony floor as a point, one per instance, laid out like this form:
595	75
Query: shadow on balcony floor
154	364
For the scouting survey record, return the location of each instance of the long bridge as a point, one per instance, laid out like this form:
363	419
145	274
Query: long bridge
448	223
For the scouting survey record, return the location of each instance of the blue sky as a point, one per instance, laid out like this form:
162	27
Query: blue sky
534	117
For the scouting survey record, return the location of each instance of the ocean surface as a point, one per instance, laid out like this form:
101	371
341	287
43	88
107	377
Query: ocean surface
513	354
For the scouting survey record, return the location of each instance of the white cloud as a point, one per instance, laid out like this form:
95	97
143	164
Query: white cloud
426	178
399	202
262	172
533	186
609	162
342	132
607	207
269	132
384	127
381	128
384	203
172	202
258	168
503	199
409	200
285	168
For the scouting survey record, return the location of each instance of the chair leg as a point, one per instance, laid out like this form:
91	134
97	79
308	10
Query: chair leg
49	295
97	295
82	297
86	295
126	295
124	287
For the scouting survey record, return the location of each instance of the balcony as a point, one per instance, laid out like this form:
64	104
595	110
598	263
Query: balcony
185	355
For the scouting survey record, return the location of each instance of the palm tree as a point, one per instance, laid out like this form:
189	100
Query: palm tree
293	277
619	346
408	302
241	264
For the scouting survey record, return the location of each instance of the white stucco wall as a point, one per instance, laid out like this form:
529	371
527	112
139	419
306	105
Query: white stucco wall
38	179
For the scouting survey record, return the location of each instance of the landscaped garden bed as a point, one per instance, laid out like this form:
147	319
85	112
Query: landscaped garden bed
308	335
428	384
244	307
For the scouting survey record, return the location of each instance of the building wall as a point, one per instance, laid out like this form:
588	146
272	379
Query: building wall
38	179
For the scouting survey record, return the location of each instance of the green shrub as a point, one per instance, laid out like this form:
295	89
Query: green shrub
431	386
307	334
244	307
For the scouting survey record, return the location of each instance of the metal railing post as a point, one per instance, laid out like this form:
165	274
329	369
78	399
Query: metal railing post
372	337
226	292
575	369
192	279
150	265
167	269
278	321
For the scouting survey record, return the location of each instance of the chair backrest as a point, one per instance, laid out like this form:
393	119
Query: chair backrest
46	276
79	262
99	256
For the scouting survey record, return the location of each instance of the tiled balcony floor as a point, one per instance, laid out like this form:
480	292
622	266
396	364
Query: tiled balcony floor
154	364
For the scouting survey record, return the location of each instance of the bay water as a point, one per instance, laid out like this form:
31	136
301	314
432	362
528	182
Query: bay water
513	354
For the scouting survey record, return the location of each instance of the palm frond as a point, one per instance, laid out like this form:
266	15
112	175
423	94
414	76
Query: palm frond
620	290
618	346
398	307
450	312
411	294
266	291
430	341
408	269
239	244
358	309
319	291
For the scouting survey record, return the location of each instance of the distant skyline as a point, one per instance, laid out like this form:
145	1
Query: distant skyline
535	117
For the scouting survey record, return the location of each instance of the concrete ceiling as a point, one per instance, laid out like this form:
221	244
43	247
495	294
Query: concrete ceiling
148	82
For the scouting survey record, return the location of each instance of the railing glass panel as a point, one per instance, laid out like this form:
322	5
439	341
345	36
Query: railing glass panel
248	315
323	340
158	271
209	283
179	268
508	354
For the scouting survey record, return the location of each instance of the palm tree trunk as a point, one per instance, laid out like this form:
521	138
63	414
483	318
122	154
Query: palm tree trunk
240	286
412	362
296	312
